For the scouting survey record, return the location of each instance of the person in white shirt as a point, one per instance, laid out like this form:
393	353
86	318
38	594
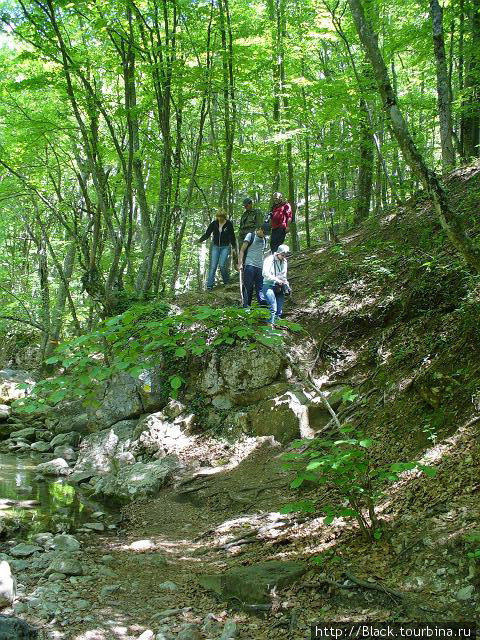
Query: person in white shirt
275	280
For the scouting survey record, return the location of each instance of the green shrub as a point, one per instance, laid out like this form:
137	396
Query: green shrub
348	466
143	337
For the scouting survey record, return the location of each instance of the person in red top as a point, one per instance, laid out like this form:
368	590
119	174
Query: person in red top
280	217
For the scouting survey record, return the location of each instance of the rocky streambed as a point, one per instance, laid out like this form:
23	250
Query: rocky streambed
70	476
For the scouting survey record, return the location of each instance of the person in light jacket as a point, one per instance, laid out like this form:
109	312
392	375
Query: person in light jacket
275	280
223	238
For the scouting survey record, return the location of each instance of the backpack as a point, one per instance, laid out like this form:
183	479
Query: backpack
250	242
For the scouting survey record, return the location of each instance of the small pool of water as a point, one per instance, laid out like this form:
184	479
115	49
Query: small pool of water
36	506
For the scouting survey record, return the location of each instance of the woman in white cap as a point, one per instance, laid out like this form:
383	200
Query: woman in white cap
275	281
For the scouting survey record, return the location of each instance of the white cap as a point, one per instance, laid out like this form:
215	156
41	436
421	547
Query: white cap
283	248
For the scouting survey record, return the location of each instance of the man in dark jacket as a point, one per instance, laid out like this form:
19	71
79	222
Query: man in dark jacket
250	220
223	238
280	218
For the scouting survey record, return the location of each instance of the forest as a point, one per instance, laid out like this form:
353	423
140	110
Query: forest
172	465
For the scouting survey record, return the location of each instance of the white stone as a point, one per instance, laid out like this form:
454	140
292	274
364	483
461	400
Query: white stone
7	585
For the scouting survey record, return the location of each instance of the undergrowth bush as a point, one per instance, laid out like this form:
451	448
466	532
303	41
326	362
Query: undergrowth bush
143	337
357	480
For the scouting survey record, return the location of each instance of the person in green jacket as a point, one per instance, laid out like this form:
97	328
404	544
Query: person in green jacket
250	220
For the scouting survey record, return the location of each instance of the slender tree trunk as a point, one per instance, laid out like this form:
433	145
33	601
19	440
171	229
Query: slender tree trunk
274	16
365	168
307	190
471	108
443	87
57	314
448	219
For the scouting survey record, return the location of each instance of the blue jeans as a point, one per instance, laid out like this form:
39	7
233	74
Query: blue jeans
275	302
252	277
218	256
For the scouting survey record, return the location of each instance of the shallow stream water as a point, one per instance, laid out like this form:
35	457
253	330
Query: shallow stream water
33	505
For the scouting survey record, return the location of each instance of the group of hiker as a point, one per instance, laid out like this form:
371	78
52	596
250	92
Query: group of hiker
262	270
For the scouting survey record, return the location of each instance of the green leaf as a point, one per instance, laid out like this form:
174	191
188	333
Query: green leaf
297	482
367	443
431	472
176	382
305	506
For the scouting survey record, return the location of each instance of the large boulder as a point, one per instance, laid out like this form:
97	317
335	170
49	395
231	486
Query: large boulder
285	417
7	585
121	401
101	452
69	416
252	584
239	369
161	434
57	467
27	434
136	480
72	438
4	412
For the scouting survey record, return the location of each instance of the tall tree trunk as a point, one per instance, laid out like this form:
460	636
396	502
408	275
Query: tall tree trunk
274	16
443	87
307	191
229	105
448	219
57	314
365	167
471	107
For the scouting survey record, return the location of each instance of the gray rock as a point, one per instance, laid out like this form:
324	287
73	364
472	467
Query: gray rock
155	435
109	589
4	412
168	586
210	626
252	584
189	631
222	401
238	369
54	577
121	400
24	434
466	593
7	585
174	409
99	452
285	418
65	452
94	526
80	476
44	539
136	480
57	467
147	635
65	563
71	439
230	630
65	542
41	447
23	550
